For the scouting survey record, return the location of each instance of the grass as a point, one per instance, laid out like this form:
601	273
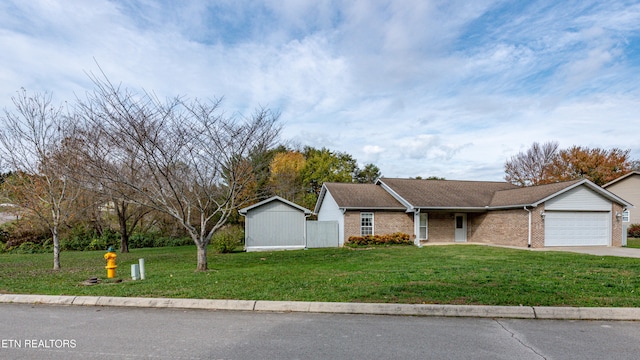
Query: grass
633	243
465	274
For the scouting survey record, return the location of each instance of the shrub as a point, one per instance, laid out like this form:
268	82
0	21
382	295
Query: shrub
227	239
141	240
385	240
78	238
147	240
633	231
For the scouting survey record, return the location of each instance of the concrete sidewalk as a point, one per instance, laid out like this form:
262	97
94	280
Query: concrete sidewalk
597	250
481	311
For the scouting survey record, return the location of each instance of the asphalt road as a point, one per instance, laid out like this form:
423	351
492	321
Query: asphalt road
76	332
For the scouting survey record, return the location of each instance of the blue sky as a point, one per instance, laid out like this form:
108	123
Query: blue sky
419	88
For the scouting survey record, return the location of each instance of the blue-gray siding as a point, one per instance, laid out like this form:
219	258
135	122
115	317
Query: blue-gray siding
275	224
322	234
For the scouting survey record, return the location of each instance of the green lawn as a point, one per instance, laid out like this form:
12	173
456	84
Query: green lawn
465	274
633	242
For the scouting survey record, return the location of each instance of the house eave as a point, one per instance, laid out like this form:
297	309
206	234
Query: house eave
601	191
351	208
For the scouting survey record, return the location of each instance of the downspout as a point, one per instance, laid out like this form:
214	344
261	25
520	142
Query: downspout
306	216
416	227
529	237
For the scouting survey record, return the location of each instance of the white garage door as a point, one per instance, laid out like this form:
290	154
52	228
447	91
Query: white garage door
567	228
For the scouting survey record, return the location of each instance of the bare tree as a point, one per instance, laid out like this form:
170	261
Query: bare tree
103	158
533	166
31	144
193	162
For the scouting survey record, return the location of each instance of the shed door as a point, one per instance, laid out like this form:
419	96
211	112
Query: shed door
573	228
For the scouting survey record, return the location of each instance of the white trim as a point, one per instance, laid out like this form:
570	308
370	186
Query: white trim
372	222
274	198
605	193
275	247
464	226
395	195
426	226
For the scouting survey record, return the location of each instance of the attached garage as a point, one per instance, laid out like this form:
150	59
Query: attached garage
578	217
575	228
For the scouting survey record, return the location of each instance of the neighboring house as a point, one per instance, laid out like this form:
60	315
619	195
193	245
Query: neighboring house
275	224
628	188
574	213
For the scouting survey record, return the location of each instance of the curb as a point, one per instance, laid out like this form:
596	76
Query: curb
479	311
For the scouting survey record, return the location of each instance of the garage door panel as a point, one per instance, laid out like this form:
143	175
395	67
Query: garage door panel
573	228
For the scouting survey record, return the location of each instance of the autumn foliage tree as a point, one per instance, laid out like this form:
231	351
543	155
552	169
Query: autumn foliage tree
544	164
285	180
598	165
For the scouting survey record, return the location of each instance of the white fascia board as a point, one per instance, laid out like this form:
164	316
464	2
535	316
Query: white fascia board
607	194
454	208
405	203
274	198
323	192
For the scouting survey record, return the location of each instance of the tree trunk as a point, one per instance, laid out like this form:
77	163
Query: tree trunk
124	236
56	250
124	243
122	221
202	257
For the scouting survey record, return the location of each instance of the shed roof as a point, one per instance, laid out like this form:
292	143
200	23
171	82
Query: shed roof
243	211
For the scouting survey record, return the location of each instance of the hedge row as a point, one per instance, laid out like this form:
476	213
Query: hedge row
633	231
389	239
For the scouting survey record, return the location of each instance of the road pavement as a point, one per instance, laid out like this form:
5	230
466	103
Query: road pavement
91	332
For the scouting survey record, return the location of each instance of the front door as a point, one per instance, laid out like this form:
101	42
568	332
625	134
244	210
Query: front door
461	227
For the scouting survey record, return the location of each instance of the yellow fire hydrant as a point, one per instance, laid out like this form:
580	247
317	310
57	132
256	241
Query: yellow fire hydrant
111	262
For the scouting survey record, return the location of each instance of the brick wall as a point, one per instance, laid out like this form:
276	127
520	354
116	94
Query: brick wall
616	226
384	222
500	227
537	227
441	227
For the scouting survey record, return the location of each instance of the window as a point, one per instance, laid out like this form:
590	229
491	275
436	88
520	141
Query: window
366	224
625	216
423	226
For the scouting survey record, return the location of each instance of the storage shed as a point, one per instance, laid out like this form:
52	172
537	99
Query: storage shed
275	224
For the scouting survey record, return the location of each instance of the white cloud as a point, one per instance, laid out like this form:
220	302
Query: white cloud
420	88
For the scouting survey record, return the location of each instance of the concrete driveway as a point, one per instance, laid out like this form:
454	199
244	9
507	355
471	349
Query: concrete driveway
597	250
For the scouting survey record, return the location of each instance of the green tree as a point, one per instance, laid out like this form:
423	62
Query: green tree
368	175
324	165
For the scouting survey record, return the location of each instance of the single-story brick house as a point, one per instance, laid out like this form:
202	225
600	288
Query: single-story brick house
573	213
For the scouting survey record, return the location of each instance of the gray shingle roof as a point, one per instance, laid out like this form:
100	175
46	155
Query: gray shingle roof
363	196
446	193
528	195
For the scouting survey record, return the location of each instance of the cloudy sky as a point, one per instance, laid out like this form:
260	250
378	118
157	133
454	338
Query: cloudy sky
418	87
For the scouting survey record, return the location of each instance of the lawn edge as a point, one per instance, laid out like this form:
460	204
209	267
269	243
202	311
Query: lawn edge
438	310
